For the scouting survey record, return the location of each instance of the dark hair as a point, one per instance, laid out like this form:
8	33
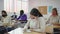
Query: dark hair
3	11
55	10
35	12
21	12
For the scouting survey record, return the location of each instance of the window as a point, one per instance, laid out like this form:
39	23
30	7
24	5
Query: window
8	5
25	6
16	5
22	5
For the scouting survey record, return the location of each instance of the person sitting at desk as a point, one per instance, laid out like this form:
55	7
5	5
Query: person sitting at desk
14	16
22	17
36	21
54	18
6	20
2	28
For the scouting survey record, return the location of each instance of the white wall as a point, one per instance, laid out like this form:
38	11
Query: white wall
1	5
36	3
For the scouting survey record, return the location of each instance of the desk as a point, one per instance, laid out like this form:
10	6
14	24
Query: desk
33	33
20	31
56	26
49	29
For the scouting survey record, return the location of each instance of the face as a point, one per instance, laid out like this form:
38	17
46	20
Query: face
33	17
3	13
21	13
54	13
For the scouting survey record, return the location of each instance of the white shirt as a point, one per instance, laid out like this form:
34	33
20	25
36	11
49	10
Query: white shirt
37	25
54	19
6	21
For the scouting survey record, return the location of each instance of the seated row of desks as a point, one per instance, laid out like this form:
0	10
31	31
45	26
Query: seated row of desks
48	29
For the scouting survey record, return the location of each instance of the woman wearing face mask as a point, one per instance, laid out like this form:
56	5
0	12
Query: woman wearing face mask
36	22
54	19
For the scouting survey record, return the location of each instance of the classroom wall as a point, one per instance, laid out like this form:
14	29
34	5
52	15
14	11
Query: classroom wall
1	5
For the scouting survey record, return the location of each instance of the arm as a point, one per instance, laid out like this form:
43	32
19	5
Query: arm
42	24
26	26
18	18
48	20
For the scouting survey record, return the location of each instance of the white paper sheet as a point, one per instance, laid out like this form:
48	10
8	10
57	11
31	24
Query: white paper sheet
16	31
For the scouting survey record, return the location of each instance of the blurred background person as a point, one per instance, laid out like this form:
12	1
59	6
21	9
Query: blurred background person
54	20
22	18
14	16
6	20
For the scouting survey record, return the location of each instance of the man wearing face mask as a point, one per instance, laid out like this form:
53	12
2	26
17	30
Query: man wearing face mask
6	25
22	18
